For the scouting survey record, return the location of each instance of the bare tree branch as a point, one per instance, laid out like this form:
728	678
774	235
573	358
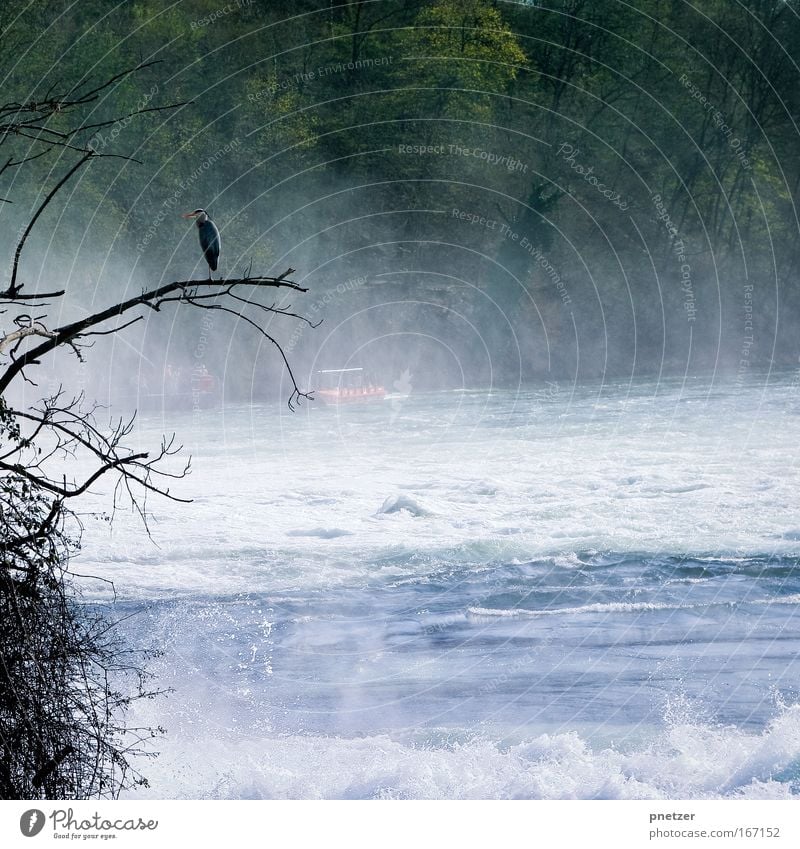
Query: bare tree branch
15	335
155	298
13	289
60	726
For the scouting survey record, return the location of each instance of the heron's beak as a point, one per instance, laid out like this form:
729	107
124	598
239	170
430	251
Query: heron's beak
189	215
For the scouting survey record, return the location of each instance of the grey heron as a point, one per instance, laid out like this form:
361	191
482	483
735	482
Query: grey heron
209	237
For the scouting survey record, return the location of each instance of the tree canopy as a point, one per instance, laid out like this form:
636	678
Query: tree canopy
591	186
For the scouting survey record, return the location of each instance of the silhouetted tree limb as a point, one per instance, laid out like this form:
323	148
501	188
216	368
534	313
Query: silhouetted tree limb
62	666
28	119
186	291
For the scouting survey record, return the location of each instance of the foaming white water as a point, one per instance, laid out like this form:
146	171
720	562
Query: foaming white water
610	607
684	761
614	607
481	569
310	496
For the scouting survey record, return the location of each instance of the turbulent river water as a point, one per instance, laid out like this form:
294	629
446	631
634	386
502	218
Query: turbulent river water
564	592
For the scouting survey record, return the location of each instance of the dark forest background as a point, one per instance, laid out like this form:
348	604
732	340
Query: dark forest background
626	203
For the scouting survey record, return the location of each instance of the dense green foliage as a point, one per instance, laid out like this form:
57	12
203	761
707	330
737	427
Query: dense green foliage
472	191
518	190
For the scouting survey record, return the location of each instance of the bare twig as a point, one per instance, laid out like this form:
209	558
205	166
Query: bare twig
13	289
155	298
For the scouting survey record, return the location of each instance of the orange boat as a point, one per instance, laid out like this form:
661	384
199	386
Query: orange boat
347	386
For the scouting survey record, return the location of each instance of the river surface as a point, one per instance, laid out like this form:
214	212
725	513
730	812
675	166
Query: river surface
563	592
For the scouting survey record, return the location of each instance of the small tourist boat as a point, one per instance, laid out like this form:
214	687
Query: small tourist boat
347	386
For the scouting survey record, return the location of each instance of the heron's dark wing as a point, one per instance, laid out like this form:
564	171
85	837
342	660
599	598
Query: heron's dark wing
209	242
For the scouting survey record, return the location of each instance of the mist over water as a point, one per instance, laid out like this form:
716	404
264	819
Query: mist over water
557	554
567	591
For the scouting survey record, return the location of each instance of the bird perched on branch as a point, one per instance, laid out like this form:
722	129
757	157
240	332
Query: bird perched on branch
209	237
